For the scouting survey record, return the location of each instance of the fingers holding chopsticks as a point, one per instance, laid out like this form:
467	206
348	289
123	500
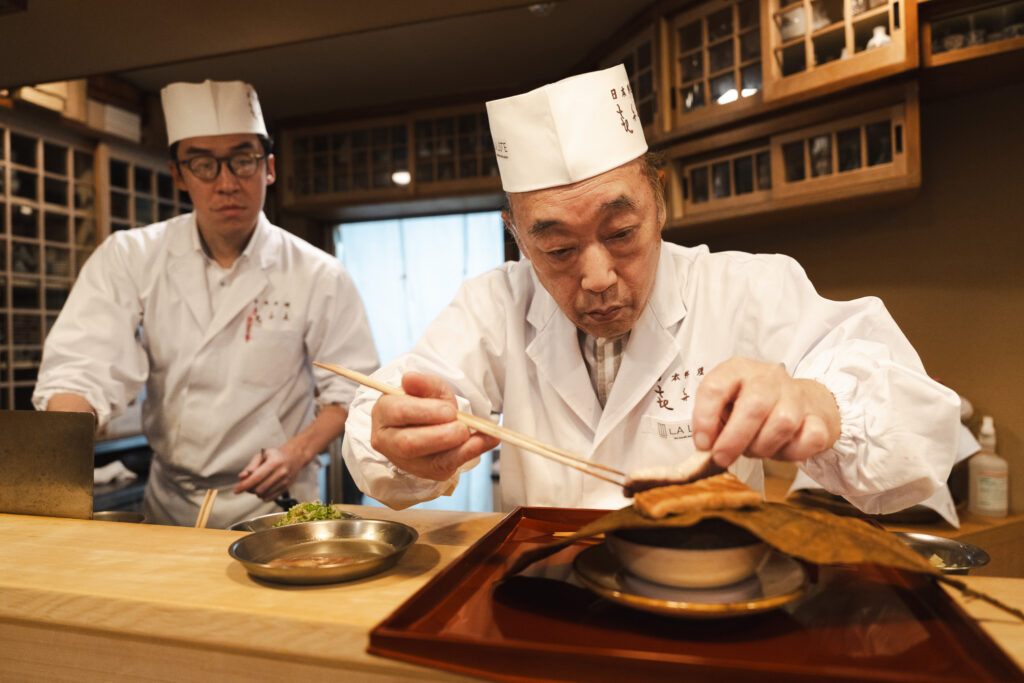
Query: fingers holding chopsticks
419	431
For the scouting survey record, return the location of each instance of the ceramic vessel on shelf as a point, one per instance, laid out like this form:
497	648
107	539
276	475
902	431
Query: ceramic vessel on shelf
976	36
954	41
878	37
857	6
791	24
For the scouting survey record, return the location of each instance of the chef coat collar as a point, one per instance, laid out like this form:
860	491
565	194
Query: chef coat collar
263	248
665	303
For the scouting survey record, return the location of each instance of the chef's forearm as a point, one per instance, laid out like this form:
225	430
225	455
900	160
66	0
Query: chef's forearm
70	403
314	439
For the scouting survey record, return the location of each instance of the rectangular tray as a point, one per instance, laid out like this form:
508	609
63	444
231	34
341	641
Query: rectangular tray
861	623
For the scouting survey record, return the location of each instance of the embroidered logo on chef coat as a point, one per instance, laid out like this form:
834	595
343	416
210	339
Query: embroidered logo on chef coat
265	309
676	392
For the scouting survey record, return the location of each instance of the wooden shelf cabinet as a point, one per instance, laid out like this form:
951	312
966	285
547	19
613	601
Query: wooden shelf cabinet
47	230
812	47
716	62
640	56
811	157
960	34
60	194
397	158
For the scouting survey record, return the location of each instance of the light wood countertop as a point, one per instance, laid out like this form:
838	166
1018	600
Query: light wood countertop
104	601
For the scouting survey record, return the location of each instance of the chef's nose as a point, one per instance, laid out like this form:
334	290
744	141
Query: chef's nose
597	269
226	181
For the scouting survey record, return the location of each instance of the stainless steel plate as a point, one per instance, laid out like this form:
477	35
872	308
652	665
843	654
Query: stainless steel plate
268	521
956	557
361	547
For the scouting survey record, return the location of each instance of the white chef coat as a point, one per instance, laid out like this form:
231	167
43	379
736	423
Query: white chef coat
221	382
506	349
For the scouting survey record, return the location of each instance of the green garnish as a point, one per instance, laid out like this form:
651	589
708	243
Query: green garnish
309	512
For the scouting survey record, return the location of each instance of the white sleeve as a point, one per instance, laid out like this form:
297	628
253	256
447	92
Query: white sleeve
463	346
93	349
338	332
899	428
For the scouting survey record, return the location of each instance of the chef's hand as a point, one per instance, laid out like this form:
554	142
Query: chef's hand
418	432
271	472
747	407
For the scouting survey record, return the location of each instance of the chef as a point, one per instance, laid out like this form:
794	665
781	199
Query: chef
633	352
218	313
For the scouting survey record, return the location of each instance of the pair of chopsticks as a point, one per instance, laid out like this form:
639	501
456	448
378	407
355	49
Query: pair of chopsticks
206	508
497	431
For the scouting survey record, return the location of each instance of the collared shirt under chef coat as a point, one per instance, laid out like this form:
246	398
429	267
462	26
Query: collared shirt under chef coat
506	348
221	381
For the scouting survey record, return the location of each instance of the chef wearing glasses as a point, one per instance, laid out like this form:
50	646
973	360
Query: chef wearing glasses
217	313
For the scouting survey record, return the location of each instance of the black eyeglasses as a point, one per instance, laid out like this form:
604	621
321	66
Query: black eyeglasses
206	167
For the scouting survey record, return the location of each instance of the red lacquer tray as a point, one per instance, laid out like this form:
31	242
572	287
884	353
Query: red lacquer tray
861	623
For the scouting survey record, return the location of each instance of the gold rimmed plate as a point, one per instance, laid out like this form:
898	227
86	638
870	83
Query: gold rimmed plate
779	581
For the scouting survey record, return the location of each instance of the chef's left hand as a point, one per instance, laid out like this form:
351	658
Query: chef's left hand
752	408
270	472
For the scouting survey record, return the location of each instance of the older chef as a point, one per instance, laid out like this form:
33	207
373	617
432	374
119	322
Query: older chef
218	314
630	351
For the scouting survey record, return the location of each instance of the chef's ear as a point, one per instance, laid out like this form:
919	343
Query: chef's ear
176	174
506	217
271	170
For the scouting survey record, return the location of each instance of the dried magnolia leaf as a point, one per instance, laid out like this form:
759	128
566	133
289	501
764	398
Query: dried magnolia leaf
812	535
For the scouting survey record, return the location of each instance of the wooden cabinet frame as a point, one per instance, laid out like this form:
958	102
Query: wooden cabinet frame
896	103
862	66
931	59
711	112
416	189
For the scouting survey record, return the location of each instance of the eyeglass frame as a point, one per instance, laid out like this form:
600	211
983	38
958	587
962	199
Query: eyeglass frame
221	162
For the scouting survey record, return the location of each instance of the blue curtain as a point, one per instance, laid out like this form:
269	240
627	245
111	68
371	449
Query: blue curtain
406	271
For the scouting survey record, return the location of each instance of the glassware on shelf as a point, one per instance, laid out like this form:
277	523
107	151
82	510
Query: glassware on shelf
791	23
879	38
821	155
720	186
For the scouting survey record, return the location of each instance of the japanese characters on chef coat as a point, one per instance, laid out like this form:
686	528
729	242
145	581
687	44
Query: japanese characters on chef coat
507	350
221	381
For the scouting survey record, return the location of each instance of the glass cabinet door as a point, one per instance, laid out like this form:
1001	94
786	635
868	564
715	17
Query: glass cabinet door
818	45
716	60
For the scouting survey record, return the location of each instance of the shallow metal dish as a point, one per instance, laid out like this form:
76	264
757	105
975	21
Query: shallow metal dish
957	557
268	521
368	546
119	516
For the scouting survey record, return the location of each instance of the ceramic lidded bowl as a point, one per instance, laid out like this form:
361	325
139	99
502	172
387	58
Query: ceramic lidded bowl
709	554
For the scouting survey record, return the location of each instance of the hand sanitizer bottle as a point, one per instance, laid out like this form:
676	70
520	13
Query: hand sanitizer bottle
988	475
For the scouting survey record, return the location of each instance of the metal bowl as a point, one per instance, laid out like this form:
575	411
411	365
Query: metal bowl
361	547
268	521
119	516
955	557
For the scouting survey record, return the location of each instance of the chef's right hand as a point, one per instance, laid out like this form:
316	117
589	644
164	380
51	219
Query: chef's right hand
418	432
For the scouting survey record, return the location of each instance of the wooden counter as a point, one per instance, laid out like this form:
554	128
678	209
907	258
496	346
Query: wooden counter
102	601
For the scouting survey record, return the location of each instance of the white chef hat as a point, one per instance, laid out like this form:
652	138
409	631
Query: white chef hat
567	131
211	108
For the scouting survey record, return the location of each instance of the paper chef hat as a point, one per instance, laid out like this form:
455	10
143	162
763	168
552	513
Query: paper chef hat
211	108
567	131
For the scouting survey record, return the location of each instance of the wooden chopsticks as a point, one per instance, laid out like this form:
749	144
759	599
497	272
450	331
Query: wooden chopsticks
487	427
206	508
